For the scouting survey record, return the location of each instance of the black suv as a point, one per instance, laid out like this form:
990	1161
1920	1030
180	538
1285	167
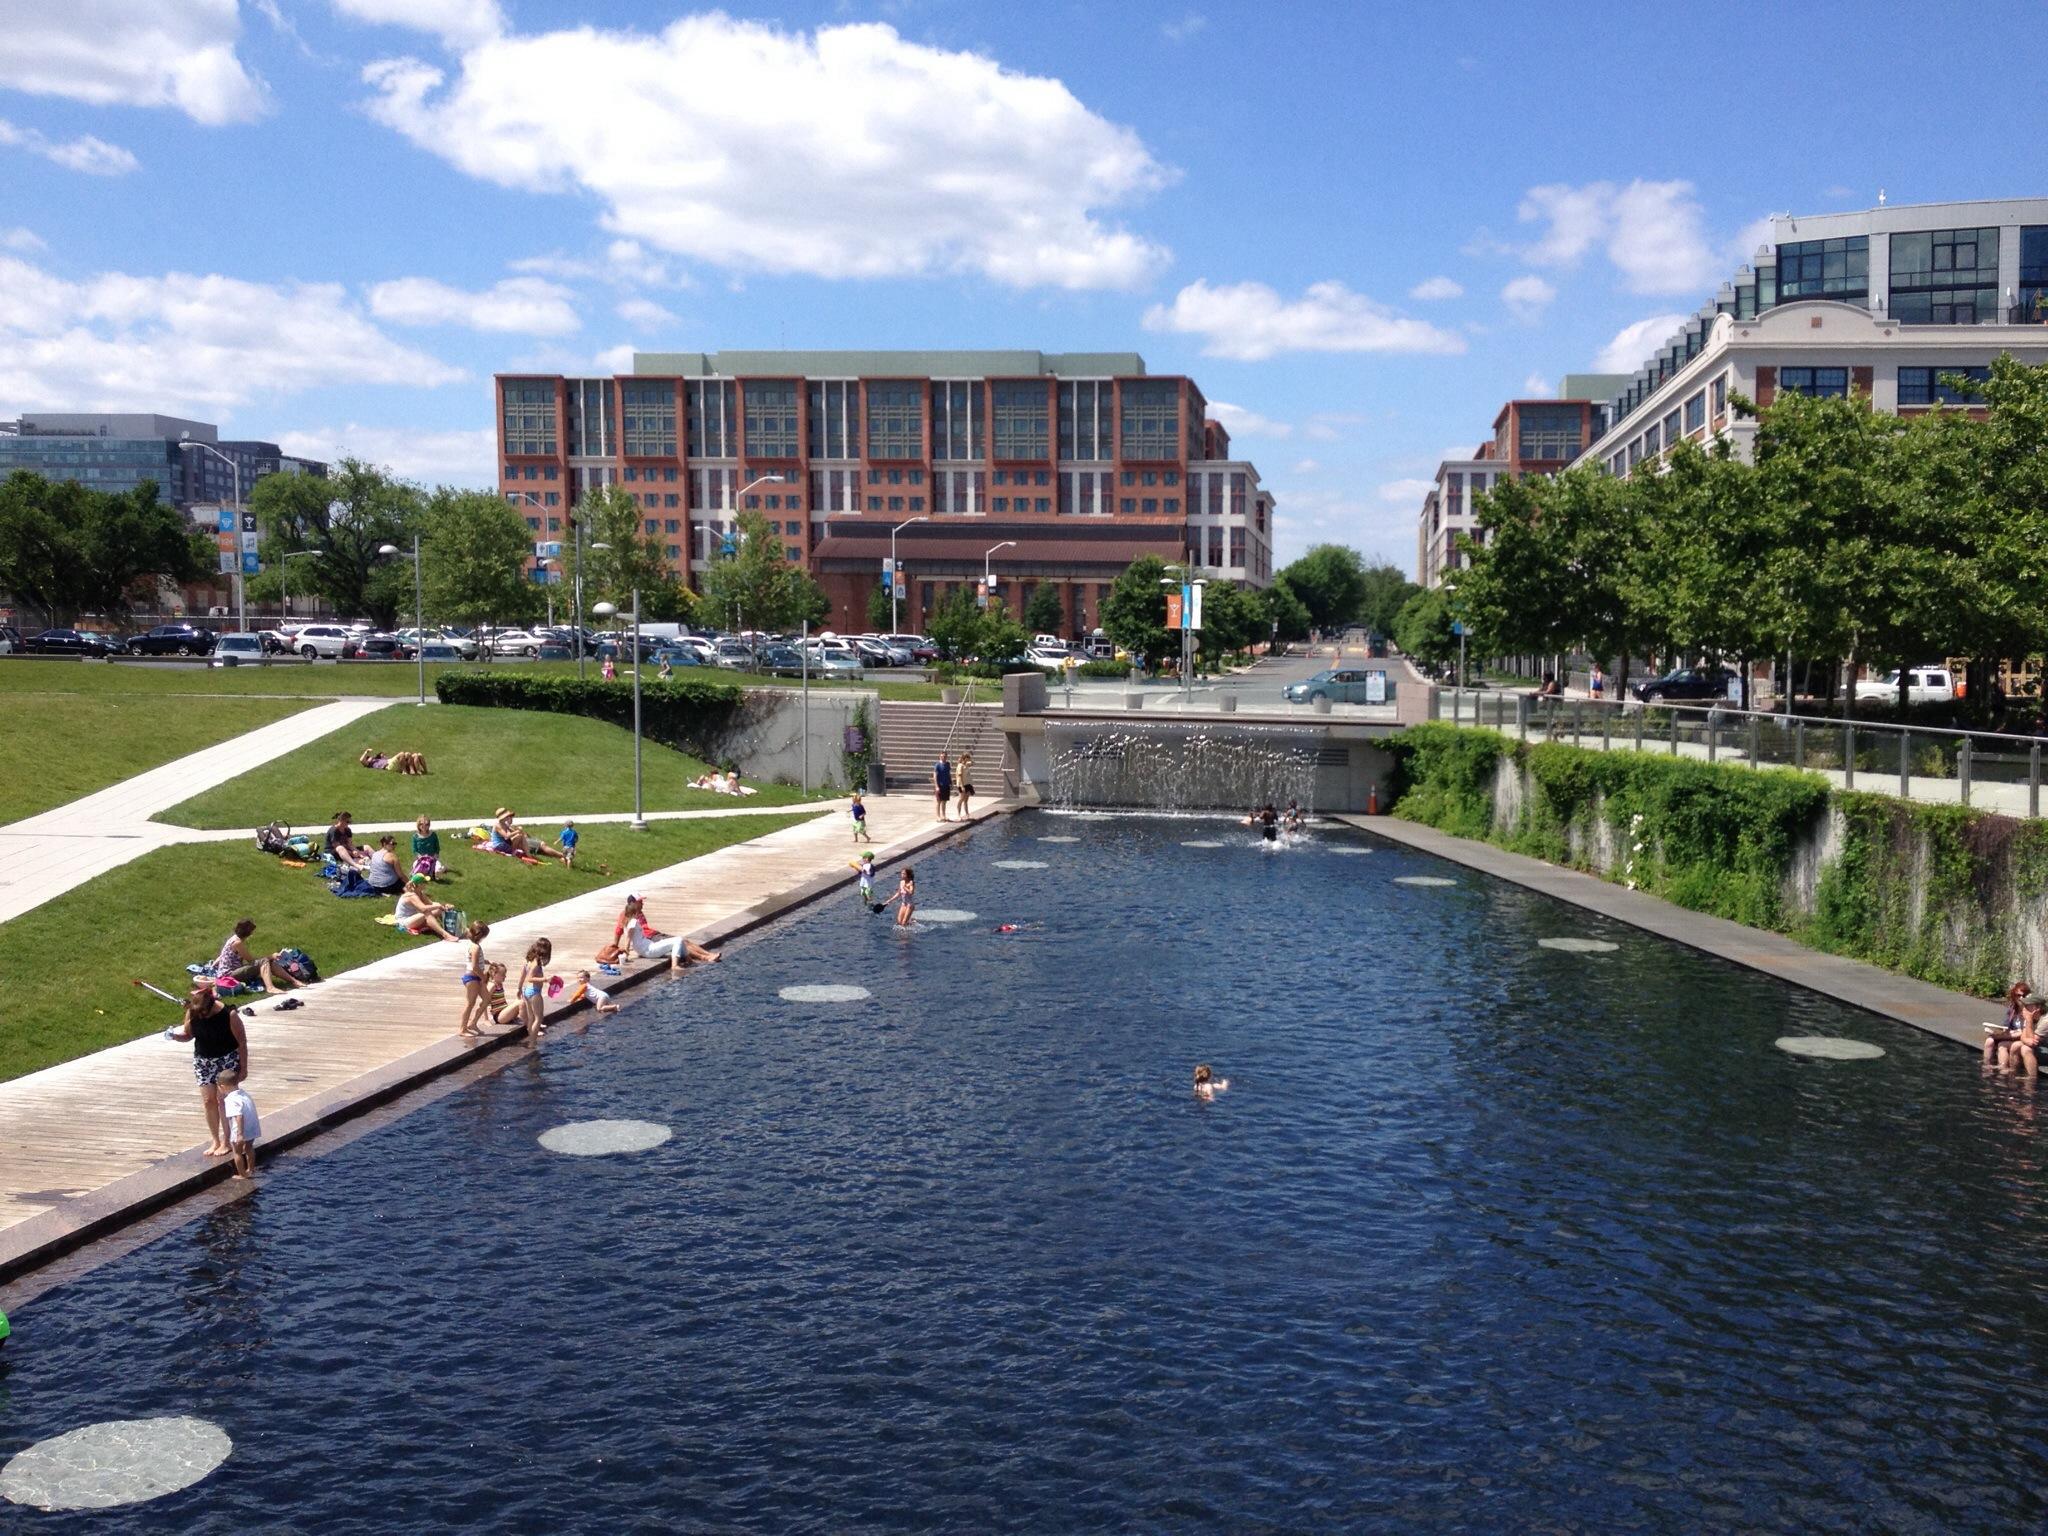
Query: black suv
173	640
1688	683
70	642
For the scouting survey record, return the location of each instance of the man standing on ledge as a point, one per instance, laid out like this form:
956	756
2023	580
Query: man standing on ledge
942	785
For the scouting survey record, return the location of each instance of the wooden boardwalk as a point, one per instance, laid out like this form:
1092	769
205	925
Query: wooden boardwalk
94	1141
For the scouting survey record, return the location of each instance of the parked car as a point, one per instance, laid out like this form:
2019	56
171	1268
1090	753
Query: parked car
382	648
734	655
514	642
1049	658
72	642
921	650
1340	685
11	639
238	649
275	642
1689	683
441	651
173	640
834	662
316	640
1925	685
782	660
677	656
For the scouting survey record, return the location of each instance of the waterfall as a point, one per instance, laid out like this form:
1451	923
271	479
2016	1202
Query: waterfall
1180	767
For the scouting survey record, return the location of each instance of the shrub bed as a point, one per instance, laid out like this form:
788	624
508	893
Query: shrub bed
688	713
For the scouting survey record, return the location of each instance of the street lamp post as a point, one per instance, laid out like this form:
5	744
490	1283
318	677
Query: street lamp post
605	611
241	607
419	619
987	575
895	586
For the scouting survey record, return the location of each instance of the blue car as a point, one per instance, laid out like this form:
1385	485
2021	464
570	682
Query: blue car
1340	685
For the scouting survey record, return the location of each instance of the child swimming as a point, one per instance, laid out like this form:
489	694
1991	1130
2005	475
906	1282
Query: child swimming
1207	1083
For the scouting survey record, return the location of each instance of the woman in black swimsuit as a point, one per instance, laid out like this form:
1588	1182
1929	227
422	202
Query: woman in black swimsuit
219	1044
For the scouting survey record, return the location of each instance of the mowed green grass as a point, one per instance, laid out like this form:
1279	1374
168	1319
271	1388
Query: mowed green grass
67	995
397	680
66	745
543	766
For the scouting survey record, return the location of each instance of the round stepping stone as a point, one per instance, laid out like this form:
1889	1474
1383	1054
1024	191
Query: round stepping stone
1059	839
1021	864
1830	1047
824	992
944	915
1580	946
1202	842
1422	880
120	1461
601	1138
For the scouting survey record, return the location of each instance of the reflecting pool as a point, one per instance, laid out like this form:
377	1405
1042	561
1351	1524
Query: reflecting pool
1486	1235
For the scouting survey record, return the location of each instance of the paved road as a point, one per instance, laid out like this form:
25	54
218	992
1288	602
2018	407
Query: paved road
1258	689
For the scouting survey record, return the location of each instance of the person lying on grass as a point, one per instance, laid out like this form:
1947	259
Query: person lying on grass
412	764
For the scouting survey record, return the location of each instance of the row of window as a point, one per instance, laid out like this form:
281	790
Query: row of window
1682	421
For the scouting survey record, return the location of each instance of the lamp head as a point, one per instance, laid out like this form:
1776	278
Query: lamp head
388	549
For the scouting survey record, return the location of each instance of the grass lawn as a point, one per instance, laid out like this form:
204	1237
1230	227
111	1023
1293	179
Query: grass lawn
65	745
175	905
543	766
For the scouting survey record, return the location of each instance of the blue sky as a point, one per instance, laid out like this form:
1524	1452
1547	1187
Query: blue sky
1360	226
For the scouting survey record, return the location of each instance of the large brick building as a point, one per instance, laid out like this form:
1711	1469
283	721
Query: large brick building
1079	463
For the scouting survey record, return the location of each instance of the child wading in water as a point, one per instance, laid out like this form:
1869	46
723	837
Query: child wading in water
533	976
474	998
238	1112
864	866
906	896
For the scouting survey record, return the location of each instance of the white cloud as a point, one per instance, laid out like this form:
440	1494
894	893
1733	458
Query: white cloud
613	360
93	157
139	53
1304	467
1633	344
185	342
20	239
1185	29
846	152
1535	386
459	23
644	312
528	305
462	457
1240	422
1328	426
1249	321
1653	231
1527	297
1406	493
1434	288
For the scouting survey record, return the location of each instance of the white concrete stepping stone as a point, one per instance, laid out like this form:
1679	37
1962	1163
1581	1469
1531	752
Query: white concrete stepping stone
1022	864
1059	839
601	1138
1422	880
1348	848
1202	842
824	992
1580	946
120	1461
944	915
1830	1047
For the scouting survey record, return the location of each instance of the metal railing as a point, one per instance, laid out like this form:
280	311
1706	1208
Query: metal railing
1934	766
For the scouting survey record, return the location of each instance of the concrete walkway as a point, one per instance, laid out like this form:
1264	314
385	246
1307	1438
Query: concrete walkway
1924	1006
46	855
133	1134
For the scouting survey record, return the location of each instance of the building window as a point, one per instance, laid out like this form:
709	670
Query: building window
711	413
835	419
771	418
958	427
895	503
670	499
1021	429
1548	433
529	416
631	475
1127	504
671	525
1945	277
1085	419
1825	269
1151	419
1929	386
1696	412
1652	444
1720	391
1671	429
1817	383
917	503
648	413
1149	504
590	418
895	419
2033	305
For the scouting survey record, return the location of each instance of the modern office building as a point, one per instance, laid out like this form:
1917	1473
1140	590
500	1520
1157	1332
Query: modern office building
1884	303
1054	469
116	452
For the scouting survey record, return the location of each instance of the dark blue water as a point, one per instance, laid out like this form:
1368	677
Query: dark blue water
1483	1238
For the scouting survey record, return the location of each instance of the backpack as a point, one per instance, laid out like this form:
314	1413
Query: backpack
298	965
301	846
274	839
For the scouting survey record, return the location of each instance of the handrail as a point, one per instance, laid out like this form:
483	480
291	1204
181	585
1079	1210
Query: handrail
1712	707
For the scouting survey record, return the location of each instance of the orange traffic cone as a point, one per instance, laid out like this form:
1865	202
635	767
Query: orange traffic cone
1372	801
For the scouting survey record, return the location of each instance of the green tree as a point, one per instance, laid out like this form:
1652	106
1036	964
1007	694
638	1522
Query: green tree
66	549
475	552
1330	581
1045	614
1422	629
881	612
36	556
344	519
758	586
1134	611
1285	616
1232	620
1385	589
630	560
954	625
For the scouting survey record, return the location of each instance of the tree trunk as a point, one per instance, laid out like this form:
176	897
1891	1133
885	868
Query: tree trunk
1905	694
1743	667
1849	684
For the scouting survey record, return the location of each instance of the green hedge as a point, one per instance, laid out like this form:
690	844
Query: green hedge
687	713
1104	666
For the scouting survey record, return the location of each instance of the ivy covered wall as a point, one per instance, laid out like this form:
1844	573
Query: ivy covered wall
1953	896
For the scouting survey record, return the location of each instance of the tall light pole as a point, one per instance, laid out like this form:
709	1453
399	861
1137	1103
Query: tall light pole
419	618
987	575
895	586
574	523
241	607
605	611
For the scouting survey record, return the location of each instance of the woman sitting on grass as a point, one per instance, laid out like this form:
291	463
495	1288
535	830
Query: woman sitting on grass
235	963
382	871
419	913
507	836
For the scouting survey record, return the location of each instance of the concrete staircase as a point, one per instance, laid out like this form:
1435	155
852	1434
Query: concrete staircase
913	736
